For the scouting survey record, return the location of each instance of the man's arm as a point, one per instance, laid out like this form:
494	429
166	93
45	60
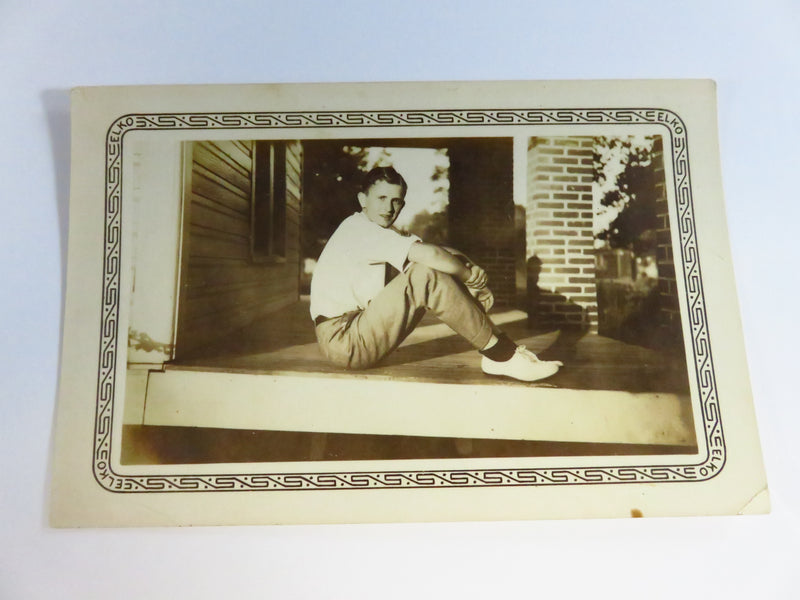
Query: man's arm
440	259
457	253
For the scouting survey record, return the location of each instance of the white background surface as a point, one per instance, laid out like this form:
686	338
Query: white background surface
752	50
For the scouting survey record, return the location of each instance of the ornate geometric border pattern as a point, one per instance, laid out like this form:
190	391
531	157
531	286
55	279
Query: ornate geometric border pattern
709	467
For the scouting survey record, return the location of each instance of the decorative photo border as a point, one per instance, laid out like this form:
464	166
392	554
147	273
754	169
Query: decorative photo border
715	451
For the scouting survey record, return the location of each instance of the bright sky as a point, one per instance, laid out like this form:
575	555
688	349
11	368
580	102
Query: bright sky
417	166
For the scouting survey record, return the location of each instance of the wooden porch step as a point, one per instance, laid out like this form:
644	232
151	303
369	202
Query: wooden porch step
369	405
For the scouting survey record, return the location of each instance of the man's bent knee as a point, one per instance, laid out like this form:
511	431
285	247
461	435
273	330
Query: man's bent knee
424	276
421	276
420	271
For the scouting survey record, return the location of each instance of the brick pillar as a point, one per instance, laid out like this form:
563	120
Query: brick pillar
481	210
559	237
669	317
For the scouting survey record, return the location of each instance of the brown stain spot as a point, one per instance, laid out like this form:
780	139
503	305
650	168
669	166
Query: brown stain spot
636	513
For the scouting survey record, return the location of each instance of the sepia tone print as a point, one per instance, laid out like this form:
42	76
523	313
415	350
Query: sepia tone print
580	264
578	234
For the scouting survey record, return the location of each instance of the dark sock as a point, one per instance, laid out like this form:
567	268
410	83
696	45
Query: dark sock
502	351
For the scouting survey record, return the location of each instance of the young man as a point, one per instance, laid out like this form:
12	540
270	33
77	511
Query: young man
360	318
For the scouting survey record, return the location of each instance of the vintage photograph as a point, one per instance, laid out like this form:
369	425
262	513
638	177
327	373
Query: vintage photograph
498	306
405	260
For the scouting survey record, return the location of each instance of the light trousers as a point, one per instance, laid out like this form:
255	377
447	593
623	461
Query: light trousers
359	339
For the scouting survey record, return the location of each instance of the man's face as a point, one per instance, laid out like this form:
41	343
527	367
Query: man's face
382	203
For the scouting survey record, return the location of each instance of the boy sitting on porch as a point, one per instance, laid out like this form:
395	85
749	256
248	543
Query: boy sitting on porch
360	318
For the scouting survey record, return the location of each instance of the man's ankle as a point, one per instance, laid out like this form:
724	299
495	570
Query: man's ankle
501	351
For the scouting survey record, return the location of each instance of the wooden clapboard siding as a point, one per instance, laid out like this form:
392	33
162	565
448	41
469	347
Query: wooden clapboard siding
221	299
203	274
245	147
215	161
200	338
243	315
238	154
292	187
223	288
219	190
293	157
220	220
217	246
294	194
210	204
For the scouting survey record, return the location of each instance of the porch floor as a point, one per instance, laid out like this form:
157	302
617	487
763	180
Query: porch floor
284	343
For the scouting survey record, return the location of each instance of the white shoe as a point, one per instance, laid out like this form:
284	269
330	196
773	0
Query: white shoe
524	365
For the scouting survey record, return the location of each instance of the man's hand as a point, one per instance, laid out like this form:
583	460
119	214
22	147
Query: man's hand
483	295
477	277
476	286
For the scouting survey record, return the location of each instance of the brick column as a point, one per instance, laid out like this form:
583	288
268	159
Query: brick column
481	211
559	236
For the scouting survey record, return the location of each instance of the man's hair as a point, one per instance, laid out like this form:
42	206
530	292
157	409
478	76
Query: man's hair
387	174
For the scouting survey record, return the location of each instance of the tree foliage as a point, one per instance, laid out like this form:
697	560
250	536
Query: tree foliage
331	184
630	191
431	227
